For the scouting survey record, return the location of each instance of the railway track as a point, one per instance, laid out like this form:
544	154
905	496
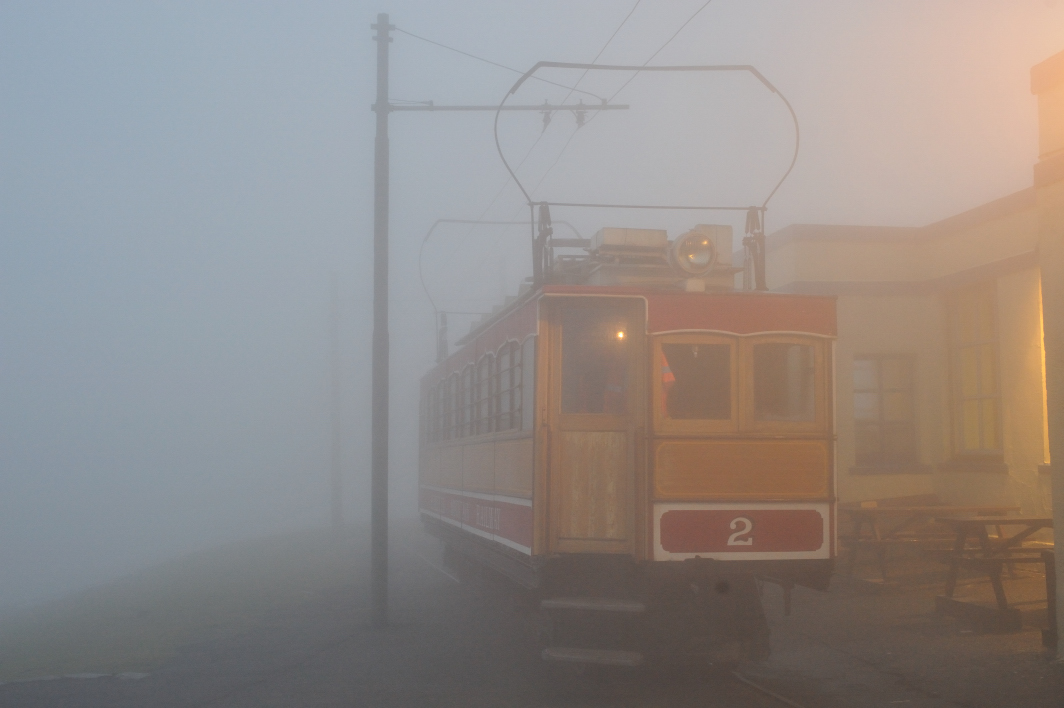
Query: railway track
762	690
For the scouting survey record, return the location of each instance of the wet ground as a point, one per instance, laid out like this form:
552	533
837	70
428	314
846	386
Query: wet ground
454	644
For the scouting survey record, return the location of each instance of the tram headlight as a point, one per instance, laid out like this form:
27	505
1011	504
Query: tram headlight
694	253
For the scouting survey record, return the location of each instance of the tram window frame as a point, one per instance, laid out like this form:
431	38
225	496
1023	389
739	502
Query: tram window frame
429	421
695	426
526	392
580	392
507	387
464	400
450	406
819	424
483	395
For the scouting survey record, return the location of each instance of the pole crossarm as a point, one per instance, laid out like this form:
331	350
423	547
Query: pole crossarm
540	108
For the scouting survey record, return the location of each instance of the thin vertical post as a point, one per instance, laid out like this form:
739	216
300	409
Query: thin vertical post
379	486
335	471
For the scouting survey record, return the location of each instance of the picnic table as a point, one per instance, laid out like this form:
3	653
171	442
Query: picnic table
992	555
897	525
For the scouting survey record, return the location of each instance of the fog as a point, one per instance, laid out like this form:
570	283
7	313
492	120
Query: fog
179	182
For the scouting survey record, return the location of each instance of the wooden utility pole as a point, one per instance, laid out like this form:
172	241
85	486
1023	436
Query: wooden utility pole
379	434
379	452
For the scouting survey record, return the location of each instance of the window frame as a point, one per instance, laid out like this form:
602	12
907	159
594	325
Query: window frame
694	427
450	405
483	420
430	422
956	383
881	464
822	383
464	401
507	384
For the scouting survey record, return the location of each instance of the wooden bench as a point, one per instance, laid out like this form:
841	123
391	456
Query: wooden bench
901	522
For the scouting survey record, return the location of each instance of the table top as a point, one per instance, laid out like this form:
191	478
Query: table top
940	510
1043	521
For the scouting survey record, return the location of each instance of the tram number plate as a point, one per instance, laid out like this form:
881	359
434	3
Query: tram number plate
741	530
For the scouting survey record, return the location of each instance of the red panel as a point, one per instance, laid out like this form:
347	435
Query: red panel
512	522
709	530
515	523
738	312
742	313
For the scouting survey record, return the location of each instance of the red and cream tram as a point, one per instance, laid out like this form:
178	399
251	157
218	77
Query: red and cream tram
636	448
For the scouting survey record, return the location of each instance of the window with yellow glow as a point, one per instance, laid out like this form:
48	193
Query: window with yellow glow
974	370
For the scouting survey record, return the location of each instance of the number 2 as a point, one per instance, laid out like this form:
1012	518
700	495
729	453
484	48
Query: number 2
745	526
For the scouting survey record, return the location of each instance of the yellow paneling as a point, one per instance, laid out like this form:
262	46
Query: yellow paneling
513	467
450	470
478	470
742	469
591	486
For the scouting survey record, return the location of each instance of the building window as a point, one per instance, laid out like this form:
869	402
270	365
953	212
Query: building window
883	411
974	371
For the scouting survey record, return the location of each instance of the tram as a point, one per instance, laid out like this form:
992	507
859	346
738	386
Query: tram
637	446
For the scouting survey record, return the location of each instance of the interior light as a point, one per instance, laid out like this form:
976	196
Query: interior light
620	334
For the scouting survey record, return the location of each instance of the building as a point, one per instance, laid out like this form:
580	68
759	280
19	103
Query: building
941	364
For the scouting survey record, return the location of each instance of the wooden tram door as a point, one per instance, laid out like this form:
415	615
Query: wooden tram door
596	415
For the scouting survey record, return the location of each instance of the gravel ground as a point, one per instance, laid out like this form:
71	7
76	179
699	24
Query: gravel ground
464	645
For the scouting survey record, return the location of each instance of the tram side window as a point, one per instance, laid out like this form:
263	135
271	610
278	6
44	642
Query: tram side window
483	398
429	421
594	361
526	393
465	402
507	388
696	381
784	382
450	417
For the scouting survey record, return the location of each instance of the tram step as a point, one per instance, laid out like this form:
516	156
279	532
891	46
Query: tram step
595	604
604	657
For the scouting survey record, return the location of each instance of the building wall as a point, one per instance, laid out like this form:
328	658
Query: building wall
1023	383
1051	127
892	286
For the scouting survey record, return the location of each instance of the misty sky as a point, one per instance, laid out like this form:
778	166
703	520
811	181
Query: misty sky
179	180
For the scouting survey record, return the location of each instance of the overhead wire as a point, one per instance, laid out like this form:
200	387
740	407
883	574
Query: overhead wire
506	183
428	234
623	86
495	63
528	153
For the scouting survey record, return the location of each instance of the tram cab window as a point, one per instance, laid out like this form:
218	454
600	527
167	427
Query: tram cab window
696	381
784	375
595	360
